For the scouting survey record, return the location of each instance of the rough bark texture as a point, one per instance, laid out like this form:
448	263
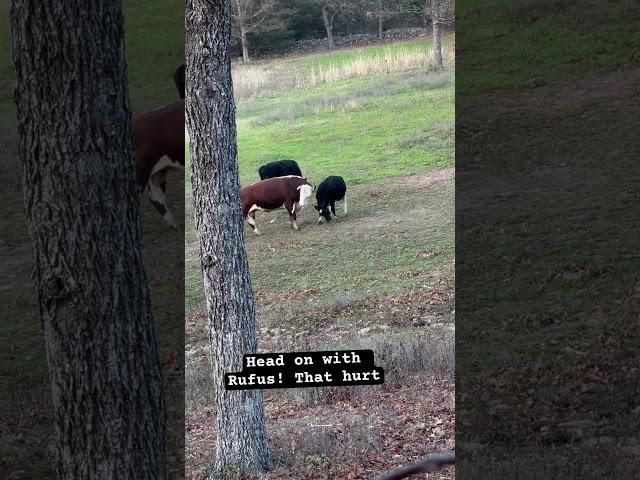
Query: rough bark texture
436	16
81	205
241	445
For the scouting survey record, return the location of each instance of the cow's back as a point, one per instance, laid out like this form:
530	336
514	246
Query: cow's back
279	168
332	187
158	133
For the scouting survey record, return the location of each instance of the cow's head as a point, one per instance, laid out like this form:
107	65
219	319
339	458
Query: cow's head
306	190
324	213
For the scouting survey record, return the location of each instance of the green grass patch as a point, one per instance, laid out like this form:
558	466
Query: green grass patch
368	130
364	129
547	39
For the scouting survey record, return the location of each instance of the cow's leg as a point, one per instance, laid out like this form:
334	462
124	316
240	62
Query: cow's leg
157	188
291	208
345	203
251	219
252	222
333	208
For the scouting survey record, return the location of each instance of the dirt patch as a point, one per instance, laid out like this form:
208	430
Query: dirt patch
421	179
576	93
391	221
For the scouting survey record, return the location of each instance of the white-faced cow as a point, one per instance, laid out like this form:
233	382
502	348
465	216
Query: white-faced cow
179	78
279	168
291	192
331	190
158	137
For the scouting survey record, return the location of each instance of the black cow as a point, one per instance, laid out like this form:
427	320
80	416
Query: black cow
178	77
331	190
279	168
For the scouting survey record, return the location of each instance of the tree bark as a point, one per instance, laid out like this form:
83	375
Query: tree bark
327	25
241	443
81	205
437	40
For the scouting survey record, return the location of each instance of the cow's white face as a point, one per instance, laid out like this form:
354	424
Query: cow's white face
305	194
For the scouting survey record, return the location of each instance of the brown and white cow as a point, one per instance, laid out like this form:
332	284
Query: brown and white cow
158	137
291	192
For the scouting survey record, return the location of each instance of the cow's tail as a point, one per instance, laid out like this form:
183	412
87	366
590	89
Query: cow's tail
345	203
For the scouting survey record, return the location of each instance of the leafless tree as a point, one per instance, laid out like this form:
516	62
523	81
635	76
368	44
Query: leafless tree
441	13
383	10
330	9
254	15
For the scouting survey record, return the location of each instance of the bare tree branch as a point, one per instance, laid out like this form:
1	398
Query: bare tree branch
429	464
255	15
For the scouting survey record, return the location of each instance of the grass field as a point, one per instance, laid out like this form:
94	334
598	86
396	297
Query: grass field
547	40
548	290
381	277
154	45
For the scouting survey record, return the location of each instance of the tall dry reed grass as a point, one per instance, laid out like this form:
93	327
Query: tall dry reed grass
261	79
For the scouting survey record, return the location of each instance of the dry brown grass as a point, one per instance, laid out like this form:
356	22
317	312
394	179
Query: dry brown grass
264	78
390	62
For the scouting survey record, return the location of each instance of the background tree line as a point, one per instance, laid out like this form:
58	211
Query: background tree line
261	26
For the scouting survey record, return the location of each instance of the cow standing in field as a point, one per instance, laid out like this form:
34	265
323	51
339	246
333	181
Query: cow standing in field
291	192
179	78
158	138
279	168
331	190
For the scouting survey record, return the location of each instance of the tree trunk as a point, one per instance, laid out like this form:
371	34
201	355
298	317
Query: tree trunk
327	25
241	442
81	205
437	41
245	46
380	19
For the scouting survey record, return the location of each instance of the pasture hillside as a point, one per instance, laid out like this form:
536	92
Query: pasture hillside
548	261
381	277
547	40
154	46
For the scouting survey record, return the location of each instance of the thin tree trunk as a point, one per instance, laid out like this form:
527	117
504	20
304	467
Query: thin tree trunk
437	40
327	25
81	204
380	19
245	46
241	442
